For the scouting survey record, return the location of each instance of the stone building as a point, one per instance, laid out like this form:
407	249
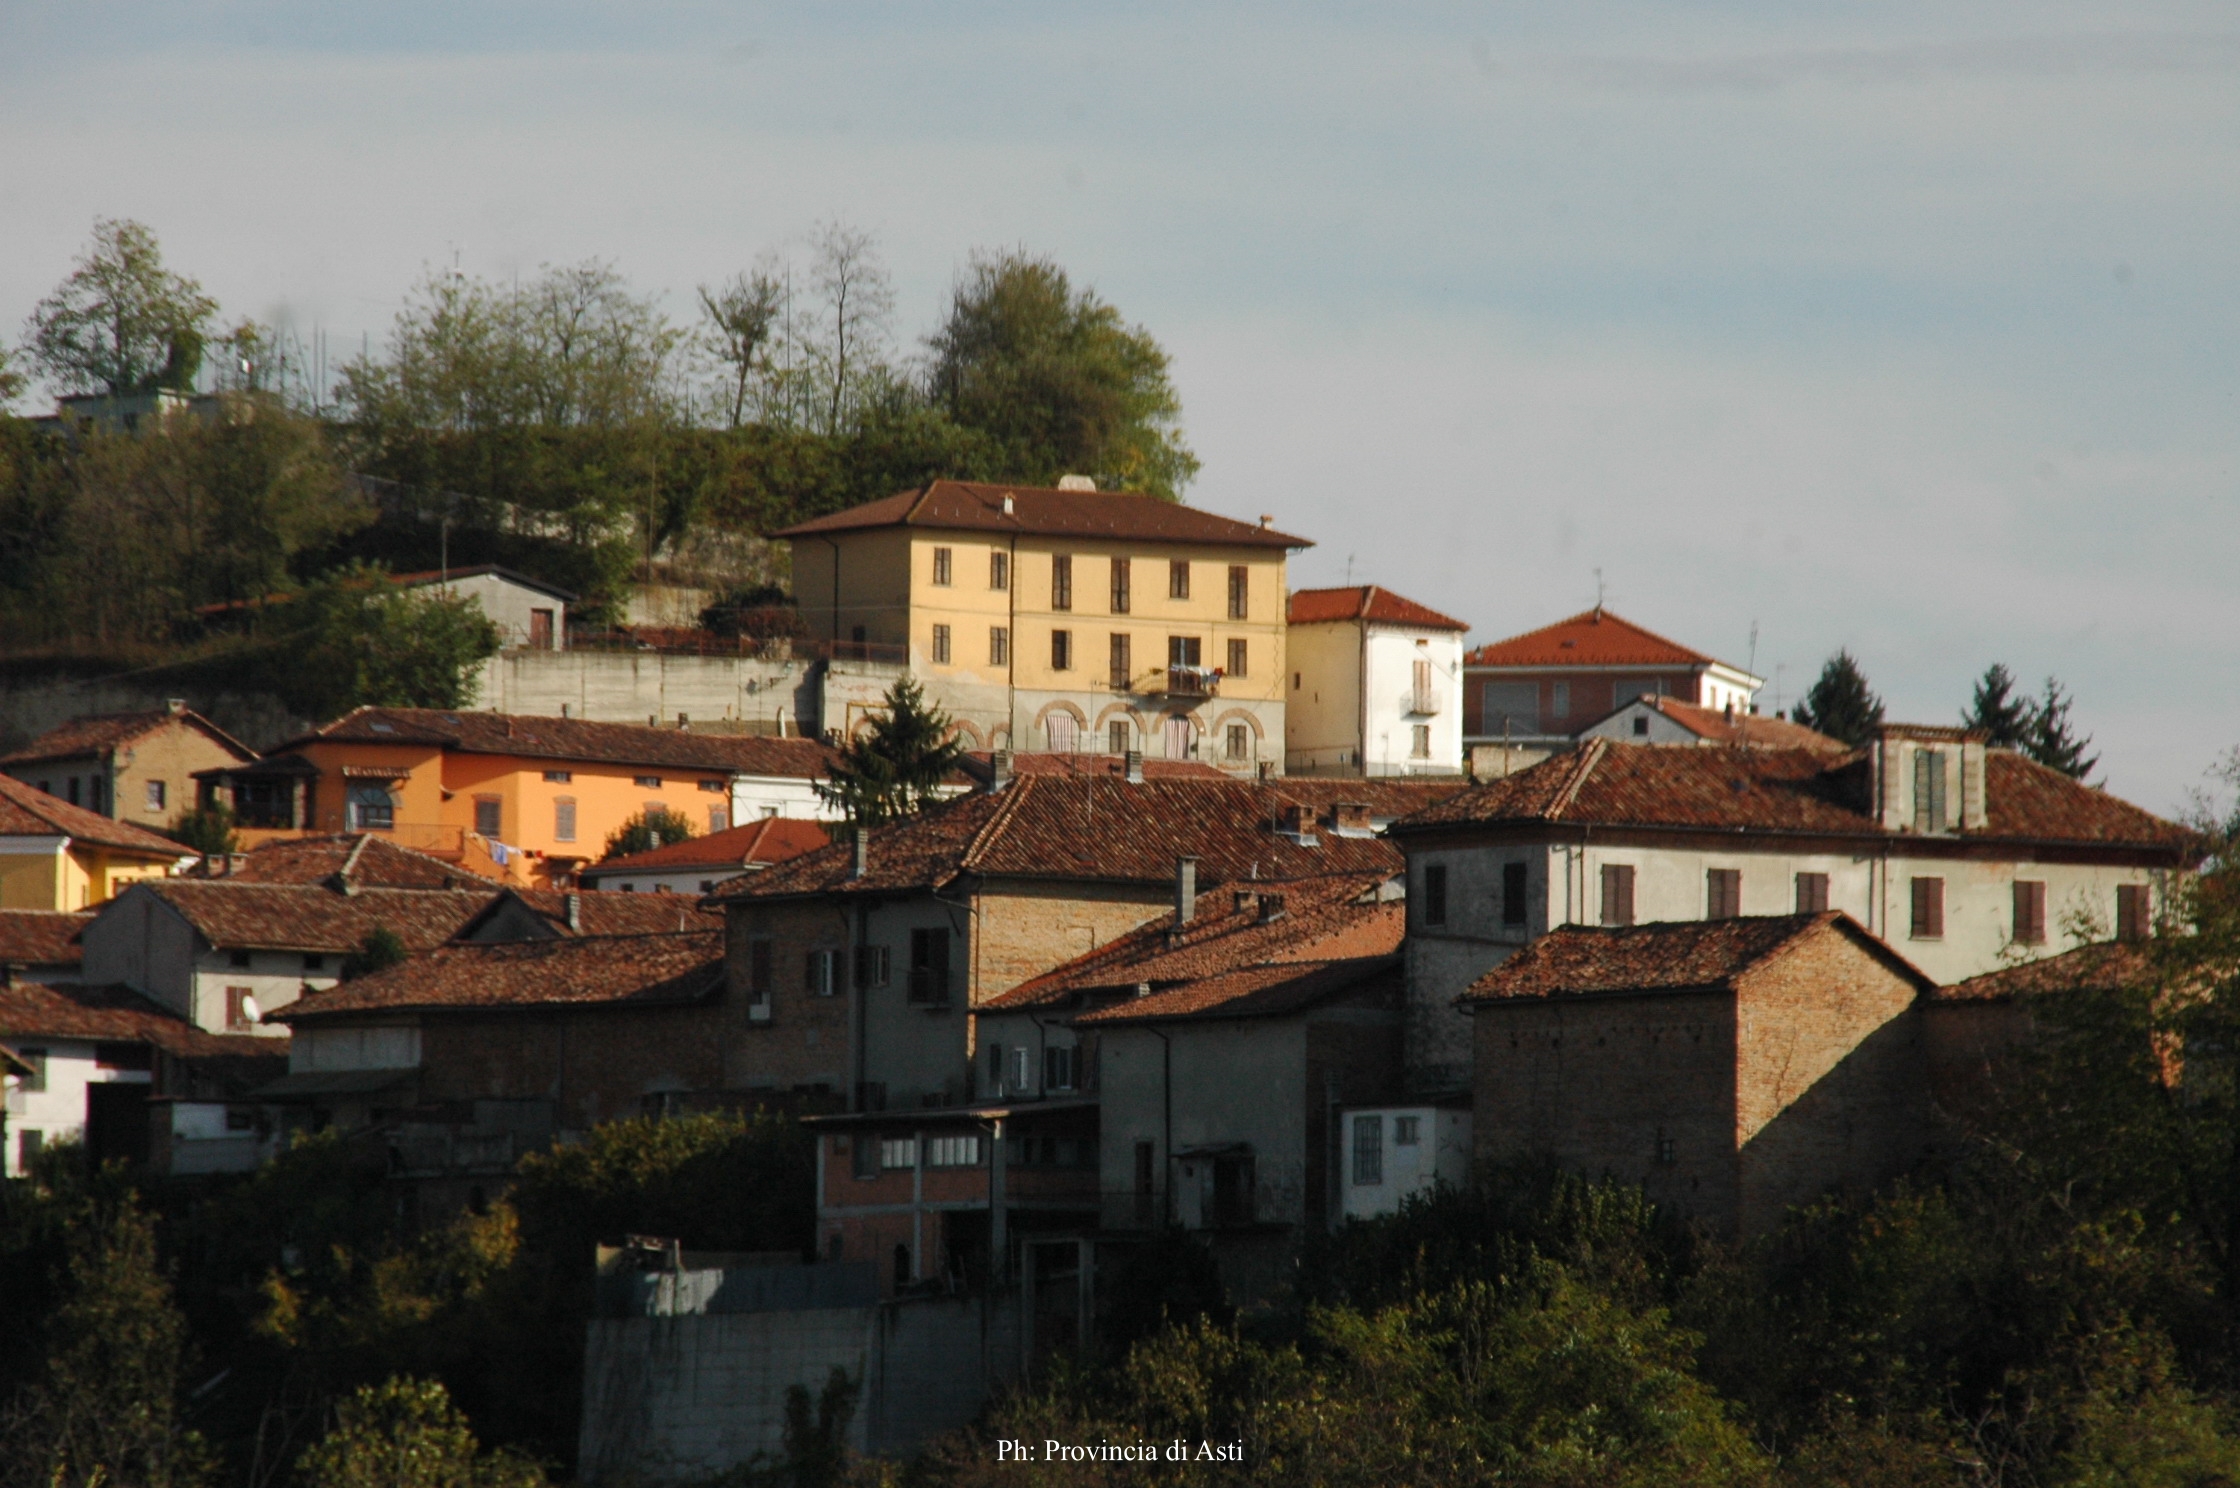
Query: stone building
136	767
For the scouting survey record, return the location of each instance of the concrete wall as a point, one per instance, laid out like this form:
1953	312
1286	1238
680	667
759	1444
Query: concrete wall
57	1112
1442	1153
634	686
141	942
1443	960
31	705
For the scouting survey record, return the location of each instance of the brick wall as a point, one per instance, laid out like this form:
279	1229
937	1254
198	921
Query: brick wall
1027	928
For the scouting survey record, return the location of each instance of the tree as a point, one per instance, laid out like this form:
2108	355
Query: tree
895	767
1840	703
648	830
12	380
858	305
355	639
2052	741
406	1433
1057	380
121	323
1994	709
740	315
206	829
381	949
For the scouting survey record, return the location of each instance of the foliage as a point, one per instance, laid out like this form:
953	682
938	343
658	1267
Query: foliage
756	612
816	1439
646	831
1057	380
740	316
2005	718
354	639
405	1433
381	949
1840	704
12	379
206	829
896	765
122	323
1170	1280
2052	741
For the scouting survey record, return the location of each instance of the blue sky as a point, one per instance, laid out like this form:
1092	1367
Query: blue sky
1905	328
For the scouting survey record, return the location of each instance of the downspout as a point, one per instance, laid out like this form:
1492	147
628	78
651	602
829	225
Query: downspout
1166	1122
859	1011
1361	750
1011	655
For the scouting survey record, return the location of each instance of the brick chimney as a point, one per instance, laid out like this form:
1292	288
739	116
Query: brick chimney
1351	819
1297	823
862	862
999	769
1132	766
1185	891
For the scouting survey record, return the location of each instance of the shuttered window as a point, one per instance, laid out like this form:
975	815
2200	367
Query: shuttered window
1123	667
2131	912
941	643
1061	582
1178	578
999	570
1812	893
1240	591
1513	880
999	645
564	819
1722	893
2029	912
1061	650
1928	908
1120	586
1928	790
1435	894
929	968
1237	656
1617	893
941	565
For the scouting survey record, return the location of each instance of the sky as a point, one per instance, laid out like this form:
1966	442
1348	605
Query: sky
1909	329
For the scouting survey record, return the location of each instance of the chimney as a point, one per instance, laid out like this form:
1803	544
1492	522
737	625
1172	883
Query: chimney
1271	907
999	769
1185	891
1132	763
1298	825
574	903
1350	819
683	722
175	705
862	863
1143	989
1267	520
1010	507
1245	899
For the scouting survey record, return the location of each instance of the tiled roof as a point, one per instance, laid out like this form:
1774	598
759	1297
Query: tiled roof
1264	992
480	570
1788	791
306	917
1320	919
99	733
26	811
1687	956
592	970
365	859
981	769
978	506
41	937
2106	965
1747	729
1371	602
1076	829
601	913
31	1010
579	740
773	839
1593	638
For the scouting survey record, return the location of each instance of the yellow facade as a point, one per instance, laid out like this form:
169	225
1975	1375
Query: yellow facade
78	877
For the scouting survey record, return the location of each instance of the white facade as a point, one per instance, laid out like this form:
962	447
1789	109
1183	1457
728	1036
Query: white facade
702	880
754	797
139	941
1372	698
527	614
1393	1153
50	1106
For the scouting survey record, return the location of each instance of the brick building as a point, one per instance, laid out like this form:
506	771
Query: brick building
1732	1068
135	767
1541	688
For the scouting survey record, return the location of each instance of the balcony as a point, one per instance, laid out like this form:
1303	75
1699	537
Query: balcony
1425	701
1193	681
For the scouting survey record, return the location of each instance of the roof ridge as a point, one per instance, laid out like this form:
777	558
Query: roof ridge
1589	757
999	820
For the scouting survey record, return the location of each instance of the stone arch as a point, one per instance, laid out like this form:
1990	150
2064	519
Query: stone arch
1220	735
1121	713
1072	717
970	733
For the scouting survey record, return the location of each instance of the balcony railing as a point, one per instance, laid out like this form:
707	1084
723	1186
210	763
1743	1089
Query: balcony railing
1424	700
1193	681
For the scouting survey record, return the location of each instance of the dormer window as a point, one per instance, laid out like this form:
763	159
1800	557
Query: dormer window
1928	790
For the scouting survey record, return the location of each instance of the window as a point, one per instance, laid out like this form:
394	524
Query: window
1928	908
2132	913
1812	893
941	643
1368	1150
1178	578
1668	1151
1722	893
648	782
489	815
155	795
1123	669
2029	912
37	1080
238	960
564	818
821	976
1183	651
1021	1077
1116	738
999	645
1240	743
74	791
1419	741
929	968
1928	790
1407	1131
953	1152
1511	708
901	1265
1562	700
1060	1068
865	1159
1061	650
1641	726
1061	582
372	808
1617	893
941	565
1179	744
1063	732
241	1007
1238	651
1421	700
1435	894
1513	881
999	570
871	966
1120	586
312	961
758	972
559	777
1240	591
995	1069
30	1142
713	787
719	819
898	1152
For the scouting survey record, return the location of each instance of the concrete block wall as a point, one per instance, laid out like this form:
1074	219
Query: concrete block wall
631	686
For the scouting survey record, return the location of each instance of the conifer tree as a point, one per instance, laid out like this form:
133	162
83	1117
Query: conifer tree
895	766
1840	704
2052	741
1995	709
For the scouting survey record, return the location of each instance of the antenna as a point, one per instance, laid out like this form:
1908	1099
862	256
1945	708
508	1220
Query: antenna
1752	666
1598	591
1349	570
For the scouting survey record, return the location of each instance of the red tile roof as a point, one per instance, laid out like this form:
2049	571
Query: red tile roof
978	765
2103	966
591	970
365	859
977	506
1689	956
1593	638
29	812
773	839
1318	919
306	917
30	1010
1371	602
41	937
100	734
1747	729
601	913
577	739
1271	991
1789	792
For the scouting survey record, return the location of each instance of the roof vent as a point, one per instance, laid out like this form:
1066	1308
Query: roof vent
1132	766
862	863
1267	520
1010	506
1066	483
175	705
1185	891
1143	989
574	903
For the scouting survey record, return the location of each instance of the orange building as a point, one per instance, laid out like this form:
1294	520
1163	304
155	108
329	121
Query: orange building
522	800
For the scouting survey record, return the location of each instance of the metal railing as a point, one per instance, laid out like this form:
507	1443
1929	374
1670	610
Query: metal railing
1193	681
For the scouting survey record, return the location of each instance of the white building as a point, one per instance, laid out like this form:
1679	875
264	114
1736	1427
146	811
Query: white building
1541	688
1394	1153
1657	719
1376	685
697	864
529	613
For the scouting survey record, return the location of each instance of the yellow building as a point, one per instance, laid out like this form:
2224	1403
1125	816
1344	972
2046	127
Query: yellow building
1063	620
54	855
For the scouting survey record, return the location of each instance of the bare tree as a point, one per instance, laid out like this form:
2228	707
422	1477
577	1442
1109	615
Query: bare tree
856	311
741	315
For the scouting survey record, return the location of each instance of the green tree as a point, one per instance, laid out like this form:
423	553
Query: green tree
1840	704
355	639
2052	740
895	767
121	323
405	1433
381	949
1058	382
646	831
206	829
12	380
1997	711
739	316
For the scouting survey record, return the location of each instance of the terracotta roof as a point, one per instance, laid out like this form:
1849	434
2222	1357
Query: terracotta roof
28	812
1788	791
306	917
1687	956
101	733
1081	829
773	839
31	1010
1370	602
468	732
404	581
41	937
601	913
1264	992
1592	638
592	970
1318	919
978	506
365	859
1747	729
981	769
2105	965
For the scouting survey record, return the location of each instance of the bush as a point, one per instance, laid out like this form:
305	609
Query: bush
647	831
405	1433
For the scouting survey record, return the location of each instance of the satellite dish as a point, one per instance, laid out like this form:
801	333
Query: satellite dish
249	1008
